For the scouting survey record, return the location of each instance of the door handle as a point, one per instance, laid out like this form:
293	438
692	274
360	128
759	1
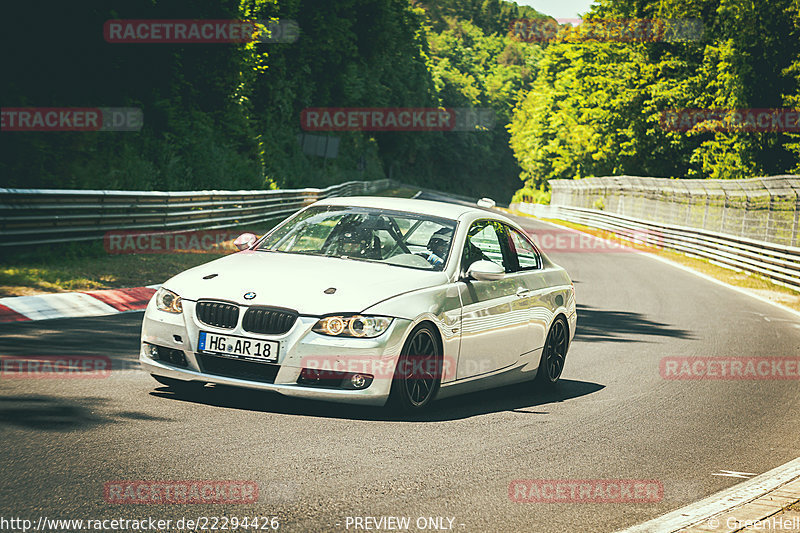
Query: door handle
523	292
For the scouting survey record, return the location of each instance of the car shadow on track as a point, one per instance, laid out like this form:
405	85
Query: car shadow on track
52	413
115	336
523	398
603	325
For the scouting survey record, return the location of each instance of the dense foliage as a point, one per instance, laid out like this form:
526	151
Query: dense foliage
228	115
594	109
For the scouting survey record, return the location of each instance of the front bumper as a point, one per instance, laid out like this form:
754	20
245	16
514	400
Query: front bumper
299	348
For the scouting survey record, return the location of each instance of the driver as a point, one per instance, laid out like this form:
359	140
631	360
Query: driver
439	245
359	241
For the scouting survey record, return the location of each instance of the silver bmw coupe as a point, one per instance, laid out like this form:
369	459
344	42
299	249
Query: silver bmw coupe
367	300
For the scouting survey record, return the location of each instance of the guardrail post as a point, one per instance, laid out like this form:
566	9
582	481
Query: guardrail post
708	201
688	205
724	209
742	232
796	224
769	217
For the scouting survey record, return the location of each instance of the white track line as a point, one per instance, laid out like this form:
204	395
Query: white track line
722	283
682	267
720	502
740	493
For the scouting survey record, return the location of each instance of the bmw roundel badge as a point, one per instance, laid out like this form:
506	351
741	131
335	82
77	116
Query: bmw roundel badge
249	295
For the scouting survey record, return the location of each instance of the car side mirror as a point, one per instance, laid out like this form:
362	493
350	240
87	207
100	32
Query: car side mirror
485	271
245	241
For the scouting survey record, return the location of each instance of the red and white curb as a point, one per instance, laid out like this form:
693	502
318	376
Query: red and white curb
75	304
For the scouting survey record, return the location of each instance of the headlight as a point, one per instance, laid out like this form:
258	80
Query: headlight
168	301
352	326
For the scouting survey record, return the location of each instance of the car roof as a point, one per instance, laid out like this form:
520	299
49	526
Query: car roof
424	207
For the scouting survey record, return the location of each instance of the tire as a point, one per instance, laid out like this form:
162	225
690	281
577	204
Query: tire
418	373
178	385
554	353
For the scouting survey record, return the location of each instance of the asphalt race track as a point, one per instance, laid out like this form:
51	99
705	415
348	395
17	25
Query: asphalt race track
612	417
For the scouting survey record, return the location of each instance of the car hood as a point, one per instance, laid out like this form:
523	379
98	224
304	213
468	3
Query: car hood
299	281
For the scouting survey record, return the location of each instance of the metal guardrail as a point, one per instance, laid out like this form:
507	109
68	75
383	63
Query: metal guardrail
779	263
43	216
763	209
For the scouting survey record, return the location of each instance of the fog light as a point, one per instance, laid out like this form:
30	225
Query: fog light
359	381
166	355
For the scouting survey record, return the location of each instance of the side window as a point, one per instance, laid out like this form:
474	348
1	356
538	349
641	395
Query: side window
526	255
483	244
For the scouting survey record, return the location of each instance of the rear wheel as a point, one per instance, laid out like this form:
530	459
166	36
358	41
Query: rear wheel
418	373
178	385
554	353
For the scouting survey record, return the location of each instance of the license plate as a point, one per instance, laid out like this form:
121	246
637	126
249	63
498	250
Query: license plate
229	345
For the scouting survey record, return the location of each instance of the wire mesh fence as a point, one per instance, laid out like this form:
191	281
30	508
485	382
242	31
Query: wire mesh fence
779	263
763	209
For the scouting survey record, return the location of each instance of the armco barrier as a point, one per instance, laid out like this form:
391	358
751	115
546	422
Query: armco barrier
42	216
779	263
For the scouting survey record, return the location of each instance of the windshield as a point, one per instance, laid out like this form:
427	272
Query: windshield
366	234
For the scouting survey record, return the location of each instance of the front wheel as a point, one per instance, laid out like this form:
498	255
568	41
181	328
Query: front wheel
418	373
554	353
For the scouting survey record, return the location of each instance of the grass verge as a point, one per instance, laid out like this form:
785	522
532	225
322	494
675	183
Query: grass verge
87	266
